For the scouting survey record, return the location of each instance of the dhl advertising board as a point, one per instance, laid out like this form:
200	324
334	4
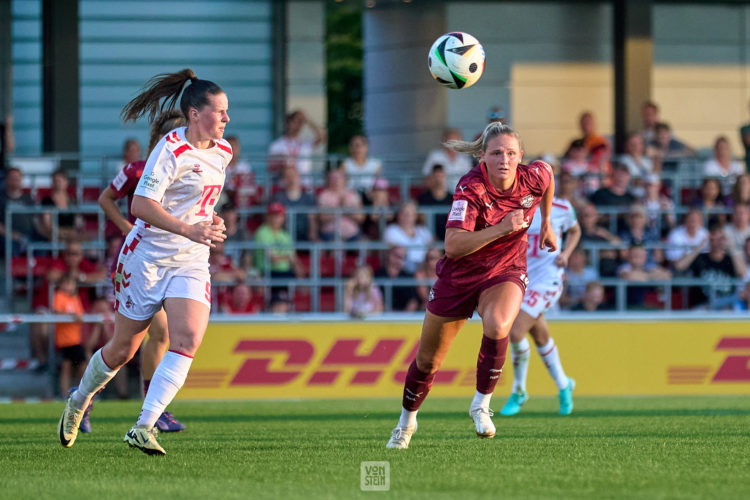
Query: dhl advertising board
368	359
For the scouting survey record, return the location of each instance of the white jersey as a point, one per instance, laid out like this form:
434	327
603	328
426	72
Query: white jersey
540	264
187	182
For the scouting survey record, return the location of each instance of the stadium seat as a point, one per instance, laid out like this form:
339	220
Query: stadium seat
349	265
302	301
327	300
327	265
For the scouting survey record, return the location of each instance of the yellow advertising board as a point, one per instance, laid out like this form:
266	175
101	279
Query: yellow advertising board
369	359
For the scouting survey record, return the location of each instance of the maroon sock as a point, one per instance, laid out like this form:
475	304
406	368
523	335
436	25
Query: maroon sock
416	387
490	363
145	386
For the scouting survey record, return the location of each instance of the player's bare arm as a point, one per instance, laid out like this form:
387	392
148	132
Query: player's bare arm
153	213
547	238
572	237
460	242
107	201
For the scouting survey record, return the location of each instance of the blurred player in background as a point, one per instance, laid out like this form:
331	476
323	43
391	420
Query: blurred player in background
484	268
123	185
164	261
546	271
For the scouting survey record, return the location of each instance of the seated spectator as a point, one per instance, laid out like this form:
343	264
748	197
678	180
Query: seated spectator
222	268
722	166
436	196
344	227
361	297
241	300
235	232
375	221
456	164
666	148
741	189
637	269
406	233
593	298
709	200
280	302
649	119
690	236
659	206
636	230
240	188
576	162
294	195
739	230
742	299
83	270
593	232
361	169
68	338
618	193
427	274
22	226
279	251
639	165
403	298
577	275
293	148
594	143
69	225
717	269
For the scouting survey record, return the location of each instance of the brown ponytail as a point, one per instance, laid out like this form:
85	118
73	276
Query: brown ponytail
169	120
168	86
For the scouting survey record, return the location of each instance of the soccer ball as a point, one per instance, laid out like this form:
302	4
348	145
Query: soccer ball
456	60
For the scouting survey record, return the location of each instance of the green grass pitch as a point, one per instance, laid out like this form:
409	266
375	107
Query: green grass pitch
672	447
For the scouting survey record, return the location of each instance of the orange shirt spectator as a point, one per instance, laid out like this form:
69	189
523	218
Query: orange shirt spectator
66	301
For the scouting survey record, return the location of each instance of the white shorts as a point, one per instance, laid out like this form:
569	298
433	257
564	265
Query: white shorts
141	287
541	296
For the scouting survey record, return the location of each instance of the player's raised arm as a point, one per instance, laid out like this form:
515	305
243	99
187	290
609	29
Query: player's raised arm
460	242
547	238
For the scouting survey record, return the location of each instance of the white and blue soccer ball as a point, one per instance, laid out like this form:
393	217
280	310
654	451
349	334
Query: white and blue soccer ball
456	60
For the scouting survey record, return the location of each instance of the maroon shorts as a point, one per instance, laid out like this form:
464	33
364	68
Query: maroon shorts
451	302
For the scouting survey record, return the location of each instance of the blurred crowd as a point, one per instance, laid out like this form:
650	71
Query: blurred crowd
654	215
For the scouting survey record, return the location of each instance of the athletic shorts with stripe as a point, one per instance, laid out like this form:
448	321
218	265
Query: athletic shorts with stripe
541	296
141	287
450	302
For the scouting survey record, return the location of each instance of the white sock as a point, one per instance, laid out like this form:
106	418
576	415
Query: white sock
551	359
95	377
481	400
167	380
408	418
519	355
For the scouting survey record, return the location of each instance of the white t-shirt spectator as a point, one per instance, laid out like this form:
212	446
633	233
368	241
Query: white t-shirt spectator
362	177
454	169
680	242
416	246
643	167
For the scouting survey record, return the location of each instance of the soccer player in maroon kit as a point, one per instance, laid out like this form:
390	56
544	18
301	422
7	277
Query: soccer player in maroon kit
123	185
484	268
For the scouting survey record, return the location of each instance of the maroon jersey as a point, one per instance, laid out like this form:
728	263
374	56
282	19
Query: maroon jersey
477	205
124	184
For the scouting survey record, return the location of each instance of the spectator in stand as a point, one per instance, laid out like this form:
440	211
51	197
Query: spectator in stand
741	189
222	268
709	199
739	230
577	275
598	147
293	148
637	269
593	232
131	153
68	338
406	233
294	195
361	296
639	165
717	269
659	207
618	193
282	260
665	148
69	225
240	188
593	298
241	300
403	298
722	166
638	232
379	205
742	299
436	196
649	119
576	163
426	273
335	194
22	227
361	169
746	258
690	236
569	188
83	270
456	164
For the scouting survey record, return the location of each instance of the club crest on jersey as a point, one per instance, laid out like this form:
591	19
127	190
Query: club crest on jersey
197	169
431	296
527	201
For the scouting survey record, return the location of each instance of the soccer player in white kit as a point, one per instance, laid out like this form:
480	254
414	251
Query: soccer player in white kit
164	261
545	270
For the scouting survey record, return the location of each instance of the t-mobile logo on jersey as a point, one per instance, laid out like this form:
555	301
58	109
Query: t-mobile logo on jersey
208	198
